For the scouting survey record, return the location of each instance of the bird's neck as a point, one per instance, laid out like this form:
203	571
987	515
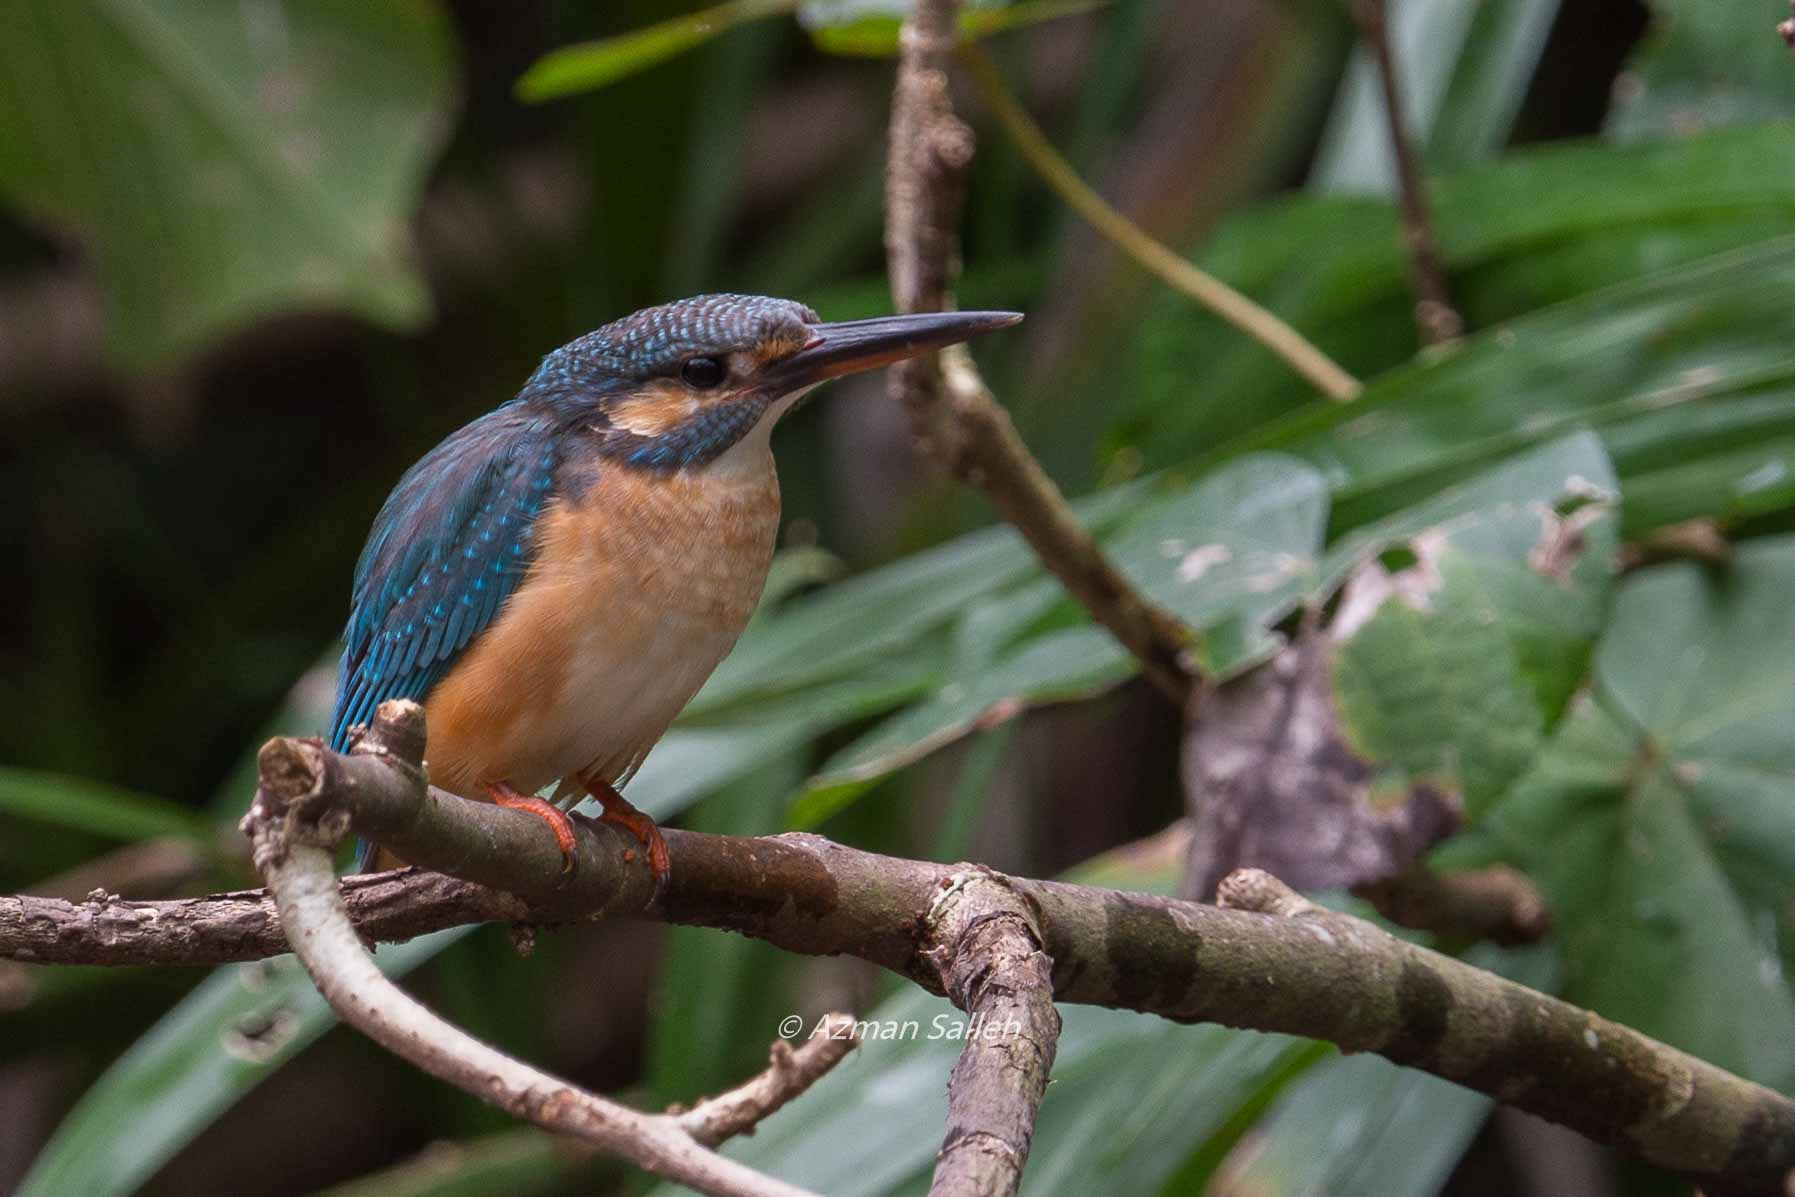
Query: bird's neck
750	458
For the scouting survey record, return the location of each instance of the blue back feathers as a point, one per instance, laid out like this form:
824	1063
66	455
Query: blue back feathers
453	540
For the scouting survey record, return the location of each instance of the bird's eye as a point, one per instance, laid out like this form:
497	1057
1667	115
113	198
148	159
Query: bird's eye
702	373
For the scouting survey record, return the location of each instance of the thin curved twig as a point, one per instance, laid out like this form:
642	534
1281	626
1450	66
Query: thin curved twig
1436	319
295	837
1176	271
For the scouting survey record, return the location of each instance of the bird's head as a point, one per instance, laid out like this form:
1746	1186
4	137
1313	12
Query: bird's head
677	386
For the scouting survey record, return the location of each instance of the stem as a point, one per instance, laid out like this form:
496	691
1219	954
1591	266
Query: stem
1435	317
1298	352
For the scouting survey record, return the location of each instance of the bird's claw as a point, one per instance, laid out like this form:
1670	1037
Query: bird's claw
503	795
619	811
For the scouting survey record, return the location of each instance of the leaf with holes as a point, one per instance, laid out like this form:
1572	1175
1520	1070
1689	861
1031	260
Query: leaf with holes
1427	694
1659	818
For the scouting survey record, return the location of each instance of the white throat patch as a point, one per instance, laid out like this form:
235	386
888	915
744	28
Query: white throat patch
753	454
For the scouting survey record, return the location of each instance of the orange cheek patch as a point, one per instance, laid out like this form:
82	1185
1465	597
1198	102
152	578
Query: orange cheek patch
658	408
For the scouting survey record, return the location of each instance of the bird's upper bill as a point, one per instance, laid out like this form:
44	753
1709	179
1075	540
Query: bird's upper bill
678	385
850	346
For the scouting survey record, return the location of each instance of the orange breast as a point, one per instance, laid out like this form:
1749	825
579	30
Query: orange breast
639	588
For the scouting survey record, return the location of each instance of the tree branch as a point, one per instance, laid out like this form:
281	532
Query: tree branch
984	942
1267	961
1532	1051
1498	904
952	413
790	1071
1435	317
295	831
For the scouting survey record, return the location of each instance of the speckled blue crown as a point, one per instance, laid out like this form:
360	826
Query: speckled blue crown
654	341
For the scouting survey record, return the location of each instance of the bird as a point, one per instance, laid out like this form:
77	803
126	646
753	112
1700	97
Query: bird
557	578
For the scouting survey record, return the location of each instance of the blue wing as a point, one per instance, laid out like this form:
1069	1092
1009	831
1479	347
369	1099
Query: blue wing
452	542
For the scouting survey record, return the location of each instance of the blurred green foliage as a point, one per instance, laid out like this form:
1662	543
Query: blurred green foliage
220	178
225	163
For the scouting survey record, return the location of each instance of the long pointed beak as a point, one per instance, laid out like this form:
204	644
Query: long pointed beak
851	346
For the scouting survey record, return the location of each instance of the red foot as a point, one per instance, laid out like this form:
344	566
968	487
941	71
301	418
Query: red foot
503	795
618	810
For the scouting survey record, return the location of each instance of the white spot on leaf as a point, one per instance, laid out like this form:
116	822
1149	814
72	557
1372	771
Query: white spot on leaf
1196	563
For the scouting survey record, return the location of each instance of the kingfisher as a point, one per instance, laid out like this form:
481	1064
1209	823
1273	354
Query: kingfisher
556	580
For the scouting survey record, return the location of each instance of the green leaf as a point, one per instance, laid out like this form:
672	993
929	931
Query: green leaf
1489	82
592	65
1689	362
1533	229
241	1024
226	163
1658	819
1702	64
1358	1126
1464	70
1073	663
1462	627
1238	548
870	30
871	616
1234	554
525	1162
697	758
91	806
1241	545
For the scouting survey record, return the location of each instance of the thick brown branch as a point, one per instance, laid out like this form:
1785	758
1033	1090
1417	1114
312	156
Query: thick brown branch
983	940
1288	969
1532	1051
952	413
1435	317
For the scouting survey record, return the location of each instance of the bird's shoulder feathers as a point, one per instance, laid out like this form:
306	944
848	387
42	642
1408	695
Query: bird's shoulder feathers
449	546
